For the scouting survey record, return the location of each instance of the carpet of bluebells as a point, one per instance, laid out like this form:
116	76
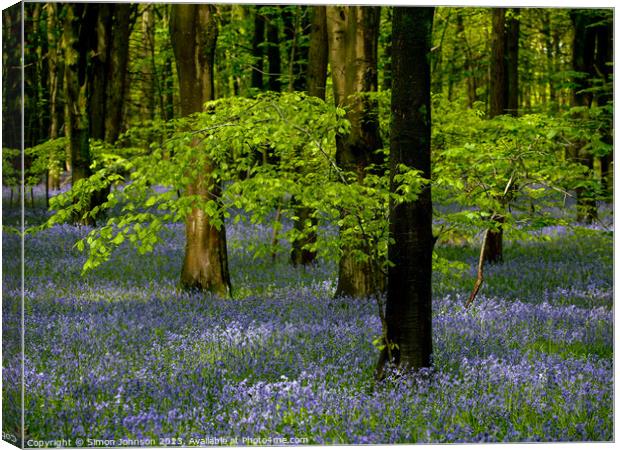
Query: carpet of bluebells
123	353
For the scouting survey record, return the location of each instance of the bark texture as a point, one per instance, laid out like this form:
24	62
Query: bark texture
78	18
54	66
353	40
117	70
409	294
193	29
512	63
497	74
498	95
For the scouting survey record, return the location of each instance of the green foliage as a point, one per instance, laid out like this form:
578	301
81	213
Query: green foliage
511	167
590	127
10	176
275	151
48	156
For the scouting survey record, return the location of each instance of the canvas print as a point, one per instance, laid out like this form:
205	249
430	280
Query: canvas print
271	225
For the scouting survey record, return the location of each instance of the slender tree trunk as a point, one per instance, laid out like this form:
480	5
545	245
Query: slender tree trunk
303	51
193	30
148	77
604	71
40	81
353	39
550	63
257	49
296	28
437	56
470	78
512	64
557	91
497	76
273	54
387	67
409	293
167	79
584	42
107	71
53	174
290	30
12	80
32	98
317	77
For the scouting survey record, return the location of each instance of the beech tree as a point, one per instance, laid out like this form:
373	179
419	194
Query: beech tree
94	82
78	25
409	296
512	62
109	68
54	84
193	31
498	101
353	38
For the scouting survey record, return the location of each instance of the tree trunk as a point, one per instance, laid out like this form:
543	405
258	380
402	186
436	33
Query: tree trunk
603	70
409	294
167	79
301	59
387	51
106	69
117	70
257	49
38	75
512	64
273	53
550	63
289	29
584	43
317	53
353	39
99	65
470	78
317	77
12	79
298	53
148	70
75	43
497	106
193	31
497	76
437	56
32	97
53	174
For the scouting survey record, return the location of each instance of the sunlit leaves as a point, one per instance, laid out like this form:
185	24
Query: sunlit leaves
511	166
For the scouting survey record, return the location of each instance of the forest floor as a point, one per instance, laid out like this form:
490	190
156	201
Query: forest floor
122	353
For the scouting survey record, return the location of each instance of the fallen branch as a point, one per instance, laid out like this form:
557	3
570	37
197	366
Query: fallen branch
480	277
483	248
